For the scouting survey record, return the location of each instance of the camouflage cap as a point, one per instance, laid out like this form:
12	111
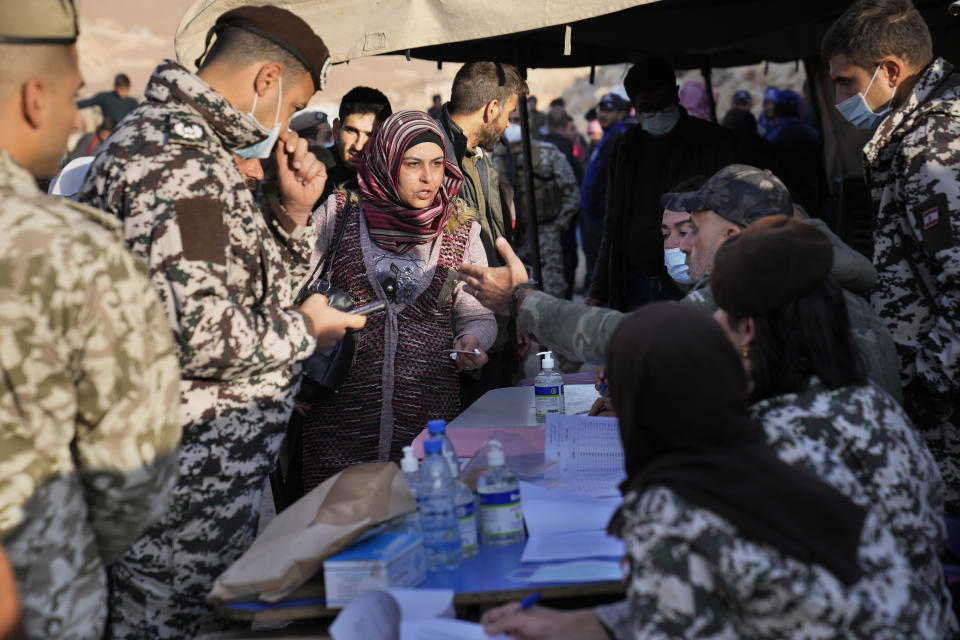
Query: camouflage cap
740	193
38	22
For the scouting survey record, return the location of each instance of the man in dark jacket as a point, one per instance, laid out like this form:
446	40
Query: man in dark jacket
668	147
483	95
115	104
611	114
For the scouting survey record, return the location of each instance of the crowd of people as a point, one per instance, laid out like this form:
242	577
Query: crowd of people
181	329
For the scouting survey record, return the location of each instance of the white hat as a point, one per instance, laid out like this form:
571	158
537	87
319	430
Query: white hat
68	182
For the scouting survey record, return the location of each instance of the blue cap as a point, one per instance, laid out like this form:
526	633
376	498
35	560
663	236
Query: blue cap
787	97
432	446
742	96
770	94
436	426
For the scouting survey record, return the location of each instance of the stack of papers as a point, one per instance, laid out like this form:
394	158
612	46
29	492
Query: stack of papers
588	454
565	526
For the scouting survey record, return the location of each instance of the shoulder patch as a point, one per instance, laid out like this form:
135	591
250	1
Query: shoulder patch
933	224
203	232
187	131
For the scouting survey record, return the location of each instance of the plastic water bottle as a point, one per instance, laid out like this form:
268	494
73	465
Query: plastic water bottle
501	515
548	389
438	509
438	431
467	518
410	468
466	501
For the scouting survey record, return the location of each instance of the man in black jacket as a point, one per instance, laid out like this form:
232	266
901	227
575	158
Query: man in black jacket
667	147
483	95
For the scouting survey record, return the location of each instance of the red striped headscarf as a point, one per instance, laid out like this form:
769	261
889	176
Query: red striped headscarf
392	224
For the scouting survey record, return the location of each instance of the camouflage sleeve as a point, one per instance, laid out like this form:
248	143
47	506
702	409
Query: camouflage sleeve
128	426
932	198
201	265
573	330
569	191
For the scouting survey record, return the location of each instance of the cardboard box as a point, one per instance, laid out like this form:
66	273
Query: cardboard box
381	561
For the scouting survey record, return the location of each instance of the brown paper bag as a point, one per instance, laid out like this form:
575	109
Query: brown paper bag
292	548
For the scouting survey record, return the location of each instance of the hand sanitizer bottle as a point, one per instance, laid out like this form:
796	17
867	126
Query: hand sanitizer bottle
548	389
501	515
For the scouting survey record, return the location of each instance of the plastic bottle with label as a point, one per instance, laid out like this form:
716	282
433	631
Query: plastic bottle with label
410	468
548	389
501	515
438	509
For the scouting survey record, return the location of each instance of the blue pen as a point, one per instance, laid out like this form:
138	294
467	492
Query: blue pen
603	386
529	601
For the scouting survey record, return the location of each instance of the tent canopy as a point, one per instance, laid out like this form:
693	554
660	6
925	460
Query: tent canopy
357	28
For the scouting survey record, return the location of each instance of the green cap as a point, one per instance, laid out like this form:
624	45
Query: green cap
38	22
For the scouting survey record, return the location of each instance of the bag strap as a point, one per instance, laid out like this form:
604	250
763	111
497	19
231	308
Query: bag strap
326	264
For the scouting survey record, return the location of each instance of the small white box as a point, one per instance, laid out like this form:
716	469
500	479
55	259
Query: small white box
381	561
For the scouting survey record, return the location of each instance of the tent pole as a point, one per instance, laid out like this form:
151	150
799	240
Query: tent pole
533	235
707	74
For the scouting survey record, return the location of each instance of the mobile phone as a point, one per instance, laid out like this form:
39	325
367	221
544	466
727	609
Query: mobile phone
367	309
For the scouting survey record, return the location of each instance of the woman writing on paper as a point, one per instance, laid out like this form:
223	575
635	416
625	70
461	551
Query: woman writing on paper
405	237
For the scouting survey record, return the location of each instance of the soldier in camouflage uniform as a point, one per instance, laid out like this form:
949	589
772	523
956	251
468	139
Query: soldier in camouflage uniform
227	272
557	199
88	372
912	168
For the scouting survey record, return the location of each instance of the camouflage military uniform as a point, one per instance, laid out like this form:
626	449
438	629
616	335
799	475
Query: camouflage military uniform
860	442
558	201
226	274
884	458
88	404
693	576
912	167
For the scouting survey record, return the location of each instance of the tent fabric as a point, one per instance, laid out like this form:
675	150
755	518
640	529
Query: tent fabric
357	28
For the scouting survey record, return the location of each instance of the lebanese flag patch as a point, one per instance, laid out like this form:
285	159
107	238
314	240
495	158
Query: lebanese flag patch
931	218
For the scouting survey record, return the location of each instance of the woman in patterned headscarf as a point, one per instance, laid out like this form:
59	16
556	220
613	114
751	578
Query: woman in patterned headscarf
405	238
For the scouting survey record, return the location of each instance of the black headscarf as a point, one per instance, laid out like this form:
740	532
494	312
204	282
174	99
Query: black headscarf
680	393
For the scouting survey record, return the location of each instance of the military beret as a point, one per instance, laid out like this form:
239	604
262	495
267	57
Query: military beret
285	29
775	260
38	22
740	193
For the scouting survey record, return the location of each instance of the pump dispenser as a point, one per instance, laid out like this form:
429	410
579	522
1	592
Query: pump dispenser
548	389
501	514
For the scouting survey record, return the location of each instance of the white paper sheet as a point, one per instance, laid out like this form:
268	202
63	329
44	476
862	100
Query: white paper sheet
422	604
555	547
373	615
548	510
584	444
442	629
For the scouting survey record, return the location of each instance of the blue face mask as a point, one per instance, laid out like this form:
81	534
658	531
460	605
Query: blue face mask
855	110
263	148
660	123
676	263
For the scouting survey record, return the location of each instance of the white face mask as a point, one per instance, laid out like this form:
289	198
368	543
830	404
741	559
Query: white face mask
263	148
513	132
676	263
856	111
660	123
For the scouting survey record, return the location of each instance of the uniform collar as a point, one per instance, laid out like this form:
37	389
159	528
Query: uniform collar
171	82
915	105
14	177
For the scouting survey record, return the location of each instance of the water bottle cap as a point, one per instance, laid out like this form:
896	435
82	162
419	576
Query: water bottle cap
409	463
436	426
495	457
432	446
547	359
